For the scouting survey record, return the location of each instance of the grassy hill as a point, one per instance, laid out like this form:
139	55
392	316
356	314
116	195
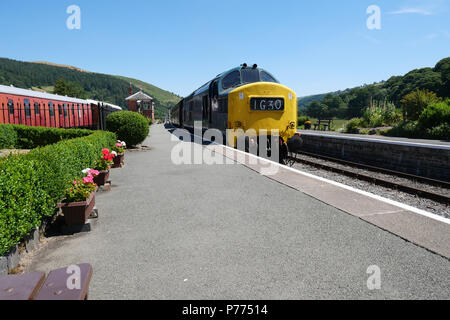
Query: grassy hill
41	76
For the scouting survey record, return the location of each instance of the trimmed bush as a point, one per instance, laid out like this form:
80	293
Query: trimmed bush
8	136
129	126
32	184
32	137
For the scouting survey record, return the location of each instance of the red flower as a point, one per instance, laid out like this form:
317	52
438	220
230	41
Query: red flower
105	151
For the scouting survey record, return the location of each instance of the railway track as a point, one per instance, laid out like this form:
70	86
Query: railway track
365	174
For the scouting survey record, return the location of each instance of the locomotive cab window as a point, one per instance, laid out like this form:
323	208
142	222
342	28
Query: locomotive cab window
250	75
231	80
265	77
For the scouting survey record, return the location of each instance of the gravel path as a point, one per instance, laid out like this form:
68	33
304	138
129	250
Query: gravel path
403	197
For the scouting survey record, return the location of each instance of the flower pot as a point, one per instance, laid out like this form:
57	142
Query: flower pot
102	178
307	126
118	161
77	213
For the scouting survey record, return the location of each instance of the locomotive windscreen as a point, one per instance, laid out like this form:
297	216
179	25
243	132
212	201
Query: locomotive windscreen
250	75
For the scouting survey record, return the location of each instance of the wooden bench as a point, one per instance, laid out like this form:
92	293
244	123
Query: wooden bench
325	123
34	286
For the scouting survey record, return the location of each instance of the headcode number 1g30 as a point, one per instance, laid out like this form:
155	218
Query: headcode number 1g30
244	309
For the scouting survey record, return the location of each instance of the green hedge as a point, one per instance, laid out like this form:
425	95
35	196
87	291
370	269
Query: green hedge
32	137
31	185
8	136
129	126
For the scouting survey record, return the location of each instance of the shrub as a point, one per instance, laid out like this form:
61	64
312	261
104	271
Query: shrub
129	126
32	184
414	103
405	129
302	120
353	125
435	115
8	136
440	132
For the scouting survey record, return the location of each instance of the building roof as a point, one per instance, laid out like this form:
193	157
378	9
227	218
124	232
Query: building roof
139	96
104	103
37	94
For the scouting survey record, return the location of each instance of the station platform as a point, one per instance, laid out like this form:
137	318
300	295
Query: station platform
383	139
225	231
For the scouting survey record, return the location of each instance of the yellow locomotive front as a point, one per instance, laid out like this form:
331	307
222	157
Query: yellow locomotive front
262	107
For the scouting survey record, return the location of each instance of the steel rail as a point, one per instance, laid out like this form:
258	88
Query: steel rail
441	198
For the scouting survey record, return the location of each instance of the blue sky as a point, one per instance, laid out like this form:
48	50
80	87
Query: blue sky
310	46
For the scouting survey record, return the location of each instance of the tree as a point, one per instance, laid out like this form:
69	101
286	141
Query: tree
70	89
316	109
60	87
443	67
358	103
415	102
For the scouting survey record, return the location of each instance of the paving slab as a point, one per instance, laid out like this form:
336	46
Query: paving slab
171	231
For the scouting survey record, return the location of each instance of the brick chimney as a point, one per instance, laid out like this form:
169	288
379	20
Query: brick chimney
131	104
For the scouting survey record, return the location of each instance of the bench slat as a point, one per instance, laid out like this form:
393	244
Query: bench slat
21	286
55	287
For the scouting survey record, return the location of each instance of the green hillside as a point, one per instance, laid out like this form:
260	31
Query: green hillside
352	102
42	76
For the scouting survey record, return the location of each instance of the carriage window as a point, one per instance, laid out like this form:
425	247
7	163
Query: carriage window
73	110
36	108
51	109
79	111
232	79
65	109
11	106
265	77
250	75
26	104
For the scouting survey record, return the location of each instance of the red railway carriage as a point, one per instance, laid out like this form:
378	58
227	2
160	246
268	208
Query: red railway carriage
33	108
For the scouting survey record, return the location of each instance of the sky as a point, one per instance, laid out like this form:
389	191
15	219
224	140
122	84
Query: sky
311	46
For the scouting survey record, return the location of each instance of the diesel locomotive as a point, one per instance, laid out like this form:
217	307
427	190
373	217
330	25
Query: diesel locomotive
245	99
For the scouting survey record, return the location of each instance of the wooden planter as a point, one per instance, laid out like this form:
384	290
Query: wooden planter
102	178
77	213
118	161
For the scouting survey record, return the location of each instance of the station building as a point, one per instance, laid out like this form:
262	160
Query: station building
142	103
